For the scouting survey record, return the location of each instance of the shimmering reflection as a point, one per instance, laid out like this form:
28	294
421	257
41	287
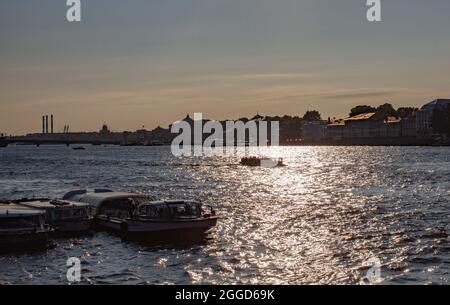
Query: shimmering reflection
315	221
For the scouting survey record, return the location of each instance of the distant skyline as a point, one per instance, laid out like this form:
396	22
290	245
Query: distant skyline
149	62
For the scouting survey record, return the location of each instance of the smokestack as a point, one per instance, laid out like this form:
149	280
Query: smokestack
46	124
51	124
43	124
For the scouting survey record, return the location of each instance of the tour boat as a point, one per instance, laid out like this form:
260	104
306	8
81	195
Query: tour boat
140	216
260	161
22	228
100	200
185	219
62	215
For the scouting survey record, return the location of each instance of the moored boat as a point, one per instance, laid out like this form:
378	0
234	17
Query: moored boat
179	219
62	215
116	204
22	228
141	216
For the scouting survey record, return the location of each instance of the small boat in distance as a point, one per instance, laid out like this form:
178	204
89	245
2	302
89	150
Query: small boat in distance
79	148
62	215
22	228
261	161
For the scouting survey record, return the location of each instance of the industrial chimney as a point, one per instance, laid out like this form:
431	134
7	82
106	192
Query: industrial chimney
46	124
43	124
51	124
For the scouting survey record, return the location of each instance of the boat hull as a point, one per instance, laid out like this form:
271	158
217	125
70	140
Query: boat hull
76	226
106	223
23	242
168	231
139	226
165	231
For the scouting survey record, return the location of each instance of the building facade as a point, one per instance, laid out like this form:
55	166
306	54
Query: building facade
424	118
314	131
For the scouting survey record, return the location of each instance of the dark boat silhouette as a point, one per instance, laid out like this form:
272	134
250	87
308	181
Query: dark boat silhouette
142	217
261	161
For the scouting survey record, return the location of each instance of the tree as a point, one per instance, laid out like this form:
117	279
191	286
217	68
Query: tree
405	112
272	118
441	121
385	110
361	109
312	115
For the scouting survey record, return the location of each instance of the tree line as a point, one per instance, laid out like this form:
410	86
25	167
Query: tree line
384	111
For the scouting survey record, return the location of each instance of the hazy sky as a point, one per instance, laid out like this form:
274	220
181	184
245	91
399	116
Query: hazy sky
149	62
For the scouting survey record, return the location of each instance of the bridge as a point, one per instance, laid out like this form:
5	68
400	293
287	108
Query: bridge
53	139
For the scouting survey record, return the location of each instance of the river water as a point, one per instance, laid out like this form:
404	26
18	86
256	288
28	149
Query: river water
328	217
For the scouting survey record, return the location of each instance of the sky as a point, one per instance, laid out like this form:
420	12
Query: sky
150	62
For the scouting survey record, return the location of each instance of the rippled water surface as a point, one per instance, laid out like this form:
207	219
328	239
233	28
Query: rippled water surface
318	220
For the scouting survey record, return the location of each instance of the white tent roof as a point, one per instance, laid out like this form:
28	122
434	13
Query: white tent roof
96	198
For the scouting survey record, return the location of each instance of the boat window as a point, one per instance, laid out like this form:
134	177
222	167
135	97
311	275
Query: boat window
120	204
180	210
65	213
79	212
121	214
92	211
142	199
116	207
149	211
196	208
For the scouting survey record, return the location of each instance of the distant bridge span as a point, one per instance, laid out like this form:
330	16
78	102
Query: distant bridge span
58	141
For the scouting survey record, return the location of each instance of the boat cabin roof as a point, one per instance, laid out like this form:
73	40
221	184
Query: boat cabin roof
14	210
99	196
53	204
168	203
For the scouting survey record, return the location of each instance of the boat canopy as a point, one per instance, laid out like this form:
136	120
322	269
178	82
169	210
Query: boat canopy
170	208
169	203
97	197
54	204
